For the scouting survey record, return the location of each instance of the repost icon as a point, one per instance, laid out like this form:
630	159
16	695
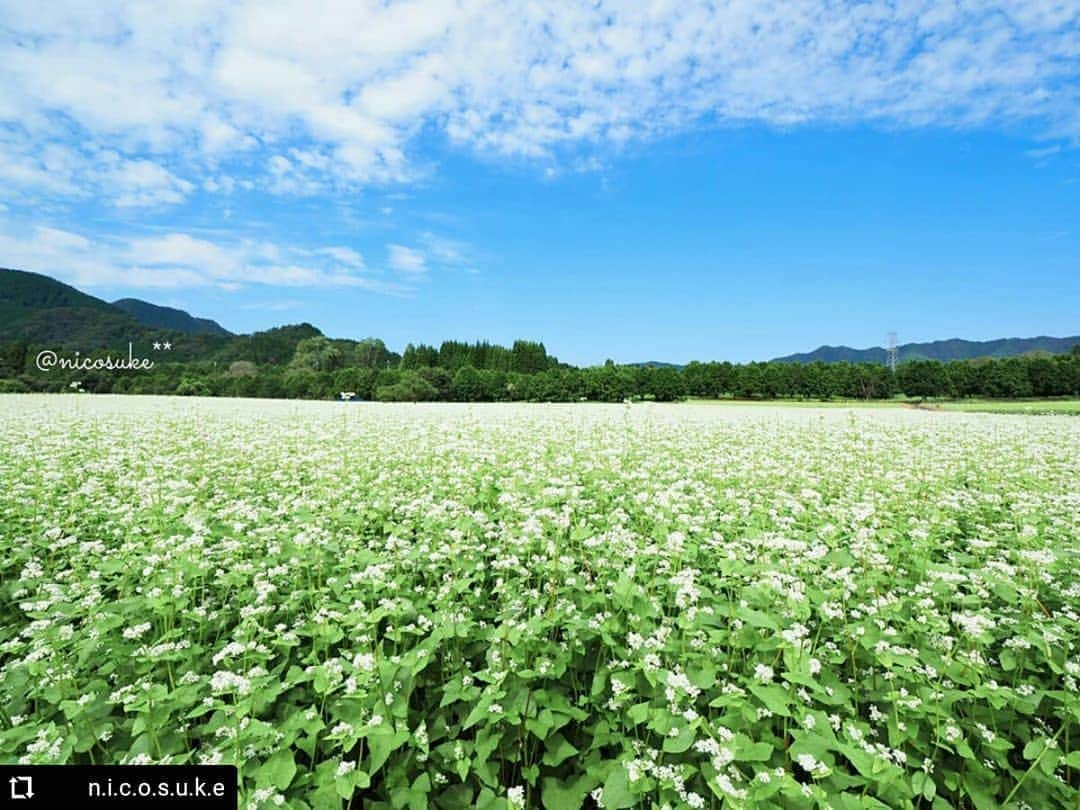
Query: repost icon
22	787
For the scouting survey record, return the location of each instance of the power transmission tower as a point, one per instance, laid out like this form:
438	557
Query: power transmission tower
892	353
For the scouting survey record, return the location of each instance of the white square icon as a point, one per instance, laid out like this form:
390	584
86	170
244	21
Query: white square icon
22	787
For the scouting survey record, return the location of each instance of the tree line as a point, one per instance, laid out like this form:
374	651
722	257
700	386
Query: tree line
300	363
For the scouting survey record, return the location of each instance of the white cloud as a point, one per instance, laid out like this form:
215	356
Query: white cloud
344	255
51	169
317	94
436	252
143	183
406	260
1043	152
177	260
451	253
273	306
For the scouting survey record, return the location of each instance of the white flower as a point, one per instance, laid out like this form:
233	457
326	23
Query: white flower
344	768
224	681
137	631
364	661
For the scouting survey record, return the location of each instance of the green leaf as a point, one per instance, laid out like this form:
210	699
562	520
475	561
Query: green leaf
756	752
558	796
455	796
487	741
325	798
638	713
617	792
982	798
775	698
344	787
383	741
278	771
542	724
681	742
1034	748
418	793
929	789
1049	761
756	618
487	800
479	712
557	750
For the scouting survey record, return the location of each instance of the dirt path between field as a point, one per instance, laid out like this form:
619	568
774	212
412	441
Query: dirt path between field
923	406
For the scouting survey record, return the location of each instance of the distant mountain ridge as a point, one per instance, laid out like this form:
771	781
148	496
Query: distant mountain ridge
41	311
943	350
168	318
38	310
657	364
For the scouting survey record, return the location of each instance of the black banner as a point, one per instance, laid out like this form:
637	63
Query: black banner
176	787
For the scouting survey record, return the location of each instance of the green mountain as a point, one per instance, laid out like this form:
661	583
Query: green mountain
22	294
168	318
943	350
41	310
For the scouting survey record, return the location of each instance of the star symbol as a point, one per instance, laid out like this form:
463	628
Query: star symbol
156	345
167	346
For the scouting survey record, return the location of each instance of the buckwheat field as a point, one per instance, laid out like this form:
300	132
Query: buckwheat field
558	606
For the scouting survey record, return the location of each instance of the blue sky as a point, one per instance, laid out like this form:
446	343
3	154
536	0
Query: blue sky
671	182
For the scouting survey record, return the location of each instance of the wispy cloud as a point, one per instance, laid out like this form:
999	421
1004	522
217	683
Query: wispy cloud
179	260
452	253
406	260
140	103
273	306
1043	152
343	255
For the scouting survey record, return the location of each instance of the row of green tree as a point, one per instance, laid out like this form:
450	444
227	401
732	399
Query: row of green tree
320	368
319	353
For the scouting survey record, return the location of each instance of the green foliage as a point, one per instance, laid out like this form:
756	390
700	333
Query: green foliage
664	384
468	386
411	607
924	378
191	387
410	387
274	346
320	369
316	354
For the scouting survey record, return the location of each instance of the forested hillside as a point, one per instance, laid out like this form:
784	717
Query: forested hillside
299	361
